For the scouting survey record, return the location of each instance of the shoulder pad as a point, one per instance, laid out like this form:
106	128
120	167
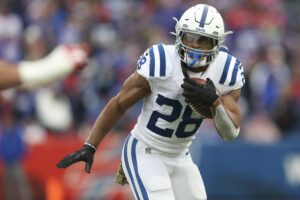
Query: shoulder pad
155	62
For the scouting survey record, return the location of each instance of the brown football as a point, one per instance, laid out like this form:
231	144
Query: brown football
200	109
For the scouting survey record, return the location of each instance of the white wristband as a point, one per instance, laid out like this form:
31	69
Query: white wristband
90	145
224	124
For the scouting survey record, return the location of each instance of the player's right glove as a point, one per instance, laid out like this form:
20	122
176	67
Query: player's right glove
85	154
198	93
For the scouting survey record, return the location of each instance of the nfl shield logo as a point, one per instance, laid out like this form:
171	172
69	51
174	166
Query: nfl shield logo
148	150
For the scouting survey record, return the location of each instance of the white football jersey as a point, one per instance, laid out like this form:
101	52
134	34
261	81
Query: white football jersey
166	122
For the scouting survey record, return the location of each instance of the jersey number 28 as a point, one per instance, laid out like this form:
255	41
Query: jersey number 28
175	114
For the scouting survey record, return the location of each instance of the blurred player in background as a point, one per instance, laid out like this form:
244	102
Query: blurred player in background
62	61
155	159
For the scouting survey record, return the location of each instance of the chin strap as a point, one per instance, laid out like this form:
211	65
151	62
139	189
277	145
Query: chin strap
185	74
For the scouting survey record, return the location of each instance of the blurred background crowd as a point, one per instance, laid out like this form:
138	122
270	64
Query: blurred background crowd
266	40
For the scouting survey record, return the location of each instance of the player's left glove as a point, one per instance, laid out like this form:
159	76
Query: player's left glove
197	93
85	154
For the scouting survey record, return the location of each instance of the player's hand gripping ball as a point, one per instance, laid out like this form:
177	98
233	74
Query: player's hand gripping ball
200	95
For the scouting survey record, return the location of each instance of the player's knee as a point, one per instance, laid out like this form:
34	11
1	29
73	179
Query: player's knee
157	183
159	187
197	188
196	185
165	194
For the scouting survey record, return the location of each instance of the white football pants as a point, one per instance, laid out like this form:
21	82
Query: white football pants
155	175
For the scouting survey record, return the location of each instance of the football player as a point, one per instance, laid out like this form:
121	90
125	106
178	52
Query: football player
155	158
62	61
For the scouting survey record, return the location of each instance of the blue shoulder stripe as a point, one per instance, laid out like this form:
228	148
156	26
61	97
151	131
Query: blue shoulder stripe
203	17
162	60
152	62
225	70
234	72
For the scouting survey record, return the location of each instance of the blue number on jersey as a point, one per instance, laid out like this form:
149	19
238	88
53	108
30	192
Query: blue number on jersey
187	120
177	107
161	100
141	61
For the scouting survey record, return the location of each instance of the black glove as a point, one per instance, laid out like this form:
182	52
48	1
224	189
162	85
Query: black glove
86	154
198	93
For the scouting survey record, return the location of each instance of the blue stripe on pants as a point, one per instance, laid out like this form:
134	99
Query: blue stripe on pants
134	161
128	168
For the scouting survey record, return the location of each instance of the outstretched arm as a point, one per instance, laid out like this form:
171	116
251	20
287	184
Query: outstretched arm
134	89
62	61
9	75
